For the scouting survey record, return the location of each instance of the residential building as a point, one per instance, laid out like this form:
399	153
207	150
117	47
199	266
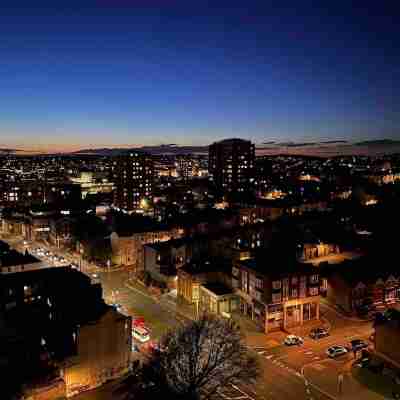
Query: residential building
186	167
102	352
358	285
206	283
163	259
133	181
277	294
90	184
231	167
57	317
313	250
217	298
127	246
387	334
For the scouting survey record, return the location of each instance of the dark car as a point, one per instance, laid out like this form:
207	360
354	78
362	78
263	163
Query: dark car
318	333
357	345
365	359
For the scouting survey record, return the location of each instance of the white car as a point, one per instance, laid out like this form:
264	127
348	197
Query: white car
336	351
292	340
117	306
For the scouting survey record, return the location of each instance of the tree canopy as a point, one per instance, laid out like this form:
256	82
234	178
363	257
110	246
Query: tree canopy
196	359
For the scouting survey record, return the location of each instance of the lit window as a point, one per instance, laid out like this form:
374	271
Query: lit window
276	285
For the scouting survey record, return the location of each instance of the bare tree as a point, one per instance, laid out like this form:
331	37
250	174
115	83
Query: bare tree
198	358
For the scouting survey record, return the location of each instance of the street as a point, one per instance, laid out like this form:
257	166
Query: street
135	303
306	371
288	373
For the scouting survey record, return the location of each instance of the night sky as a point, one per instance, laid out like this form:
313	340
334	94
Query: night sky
138	72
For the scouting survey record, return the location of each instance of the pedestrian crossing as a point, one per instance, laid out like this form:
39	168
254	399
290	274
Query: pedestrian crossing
279	359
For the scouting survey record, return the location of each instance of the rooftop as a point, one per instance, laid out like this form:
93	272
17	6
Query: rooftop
10	257
218	289
275	269
159	246
363	269
207	265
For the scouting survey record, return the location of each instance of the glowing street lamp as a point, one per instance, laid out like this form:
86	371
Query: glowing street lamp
144	203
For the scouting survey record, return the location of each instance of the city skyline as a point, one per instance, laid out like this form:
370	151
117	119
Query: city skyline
133	73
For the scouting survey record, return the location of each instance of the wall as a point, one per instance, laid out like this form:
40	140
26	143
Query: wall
339	293
387	337
129	250
104	349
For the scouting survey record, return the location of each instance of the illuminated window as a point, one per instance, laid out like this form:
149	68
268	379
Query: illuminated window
276	285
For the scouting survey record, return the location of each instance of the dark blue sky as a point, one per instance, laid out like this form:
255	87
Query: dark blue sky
165	71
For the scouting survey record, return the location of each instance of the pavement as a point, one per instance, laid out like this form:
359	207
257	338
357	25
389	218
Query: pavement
288	373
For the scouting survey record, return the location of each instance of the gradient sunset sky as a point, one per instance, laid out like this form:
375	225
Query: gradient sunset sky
137	72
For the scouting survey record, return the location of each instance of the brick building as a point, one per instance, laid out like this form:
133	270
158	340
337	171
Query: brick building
56	317
277	295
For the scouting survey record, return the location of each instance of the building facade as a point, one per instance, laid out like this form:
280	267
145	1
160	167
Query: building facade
127	249
103	350
277	299
69	325
163	259
186	167
231	166
133	181
354	291
386	338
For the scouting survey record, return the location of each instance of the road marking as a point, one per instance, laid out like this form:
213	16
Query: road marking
241	391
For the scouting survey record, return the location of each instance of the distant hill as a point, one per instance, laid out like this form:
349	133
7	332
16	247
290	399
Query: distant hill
7	151
379	142
155	150
332	148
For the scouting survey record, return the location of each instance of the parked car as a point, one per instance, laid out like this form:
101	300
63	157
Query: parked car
358	344
135	347
117	306
318	333
365	359
292	340
336	351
